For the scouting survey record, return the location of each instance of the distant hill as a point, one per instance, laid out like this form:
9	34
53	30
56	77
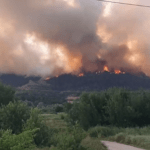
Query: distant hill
16	80
89	82
57	89
101	81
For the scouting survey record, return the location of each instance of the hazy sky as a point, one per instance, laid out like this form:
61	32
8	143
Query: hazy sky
52	37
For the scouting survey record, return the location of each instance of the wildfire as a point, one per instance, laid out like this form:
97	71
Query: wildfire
117	71
81	74
48	78
106	68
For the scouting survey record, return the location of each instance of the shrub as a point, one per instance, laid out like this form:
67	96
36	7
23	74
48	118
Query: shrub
22	141
44	135
71	140
14	116
93	132
101	131
59	109
120	137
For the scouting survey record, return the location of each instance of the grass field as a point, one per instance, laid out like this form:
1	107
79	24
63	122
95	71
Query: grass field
55	121
138	137
140	140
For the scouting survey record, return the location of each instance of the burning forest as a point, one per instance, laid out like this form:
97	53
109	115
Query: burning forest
54	37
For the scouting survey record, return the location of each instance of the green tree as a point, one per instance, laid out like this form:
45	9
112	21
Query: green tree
89	111
14	116
6	94
22	141
119	108
44	135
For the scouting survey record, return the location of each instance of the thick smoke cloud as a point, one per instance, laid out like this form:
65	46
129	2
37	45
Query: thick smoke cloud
126	34
53	37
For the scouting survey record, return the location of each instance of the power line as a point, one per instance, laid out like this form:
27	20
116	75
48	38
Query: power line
125	3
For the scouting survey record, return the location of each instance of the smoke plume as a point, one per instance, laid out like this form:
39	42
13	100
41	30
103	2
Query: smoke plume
52	37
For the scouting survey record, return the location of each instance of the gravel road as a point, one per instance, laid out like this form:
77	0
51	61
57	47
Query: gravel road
117	146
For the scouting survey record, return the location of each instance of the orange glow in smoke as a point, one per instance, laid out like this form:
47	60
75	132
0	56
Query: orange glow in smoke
48	78
106	69
81	74
117	71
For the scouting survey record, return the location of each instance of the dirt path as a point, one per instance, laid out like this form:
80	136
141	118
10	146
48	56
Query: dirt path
117	146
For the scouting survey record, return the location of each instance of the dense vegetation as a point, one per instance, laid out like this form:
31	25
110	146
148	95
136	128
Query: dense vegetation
22	128
108	114
56	90
6	94
116	106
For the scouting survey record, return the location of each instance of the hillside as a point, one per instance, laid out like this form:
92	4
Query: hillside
101	81
57	89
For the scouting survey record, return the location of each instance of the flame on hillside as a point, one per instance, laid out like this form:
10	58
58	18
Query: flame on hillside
116	71
81	75
48	78
106	69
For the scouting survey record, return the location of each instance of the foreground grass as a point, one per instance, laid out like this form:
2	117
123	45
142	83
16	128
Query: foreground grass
55	121
140	141
93	144
138	137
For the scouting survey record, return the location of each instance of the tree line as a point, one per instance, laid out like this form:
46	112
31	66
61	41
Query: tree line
115	107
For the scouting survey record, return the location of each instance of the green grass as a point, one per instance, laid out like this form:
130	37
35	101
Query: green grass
54	120
140	141
138	137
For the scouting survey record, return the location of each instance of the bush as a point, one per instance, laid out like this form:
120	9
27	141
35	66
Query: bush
70	140
120	137
44	135
59	109
22	141
101	131
6	94
14	116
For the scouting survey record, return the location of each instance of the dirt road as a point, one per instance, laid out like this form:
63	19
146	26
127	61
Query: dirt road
117	146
